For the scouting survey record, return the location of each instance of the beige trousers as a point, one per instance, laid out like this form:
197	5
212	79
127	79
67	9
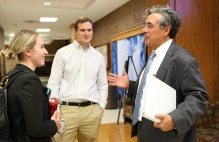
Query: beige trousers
82	123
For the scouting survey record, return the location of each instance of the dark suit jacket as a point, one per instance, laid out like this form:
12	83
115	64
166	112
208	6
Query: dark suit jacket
180	70
28	109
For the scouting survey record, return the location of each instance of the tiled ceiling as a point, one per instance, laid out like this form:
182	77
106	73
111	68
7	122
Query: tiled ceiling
25	14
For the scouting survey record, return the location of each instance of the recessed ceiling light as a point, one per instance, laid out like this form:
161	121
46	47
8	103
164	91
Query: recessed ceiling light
48	19
11	35
47	3
43	30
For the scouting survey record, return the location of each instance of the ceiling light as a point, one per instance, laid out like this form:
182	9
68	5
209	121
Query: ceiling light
46	3
48	19
43	30
11	35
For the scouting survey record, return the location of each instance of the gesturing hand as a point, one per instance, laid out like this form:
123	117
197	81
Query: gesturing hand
119	81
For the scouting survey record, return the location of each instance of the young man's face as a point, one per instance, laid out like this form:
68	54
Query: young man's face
84	34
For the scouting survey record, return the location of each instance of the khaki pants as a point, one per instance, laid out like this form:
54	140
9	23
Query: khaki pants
82	123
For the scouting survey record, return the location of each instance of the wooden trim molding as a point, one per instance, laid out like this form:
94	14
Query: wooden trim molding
126	34
49	57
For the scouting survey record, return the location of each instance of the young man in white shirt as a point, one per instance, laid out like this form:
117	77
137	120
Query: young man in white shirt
78	79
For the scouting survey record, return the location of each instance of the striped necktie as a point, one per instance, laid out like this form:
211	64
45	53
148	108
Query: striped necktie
140	89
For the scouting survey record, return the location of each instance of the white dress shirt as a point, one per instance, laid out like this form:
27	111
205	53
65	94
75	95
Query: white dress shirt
79	75
160	53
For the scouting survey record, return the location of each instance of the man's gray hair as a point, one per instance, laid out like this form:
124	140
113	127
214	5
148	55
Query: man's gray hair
169	18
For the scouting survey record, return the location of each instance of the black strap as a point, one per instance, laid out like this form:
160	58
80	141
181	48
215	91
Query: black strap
12	75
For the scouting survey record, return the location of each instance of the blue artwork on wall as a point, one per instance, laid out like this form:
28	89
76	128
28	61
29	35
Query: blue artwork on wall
130	49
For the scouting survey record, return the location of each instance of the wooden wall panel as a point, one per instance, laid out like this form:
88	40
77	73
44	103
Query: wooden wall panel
151	3
216	52
2	67
2	46
196	34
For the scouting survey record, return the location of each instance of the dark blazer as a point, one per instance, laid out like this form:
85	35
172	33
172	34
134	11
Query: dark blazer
179	69
28	109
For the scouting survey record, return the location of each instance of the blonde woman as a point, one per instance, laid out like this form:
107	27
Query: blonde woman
28	107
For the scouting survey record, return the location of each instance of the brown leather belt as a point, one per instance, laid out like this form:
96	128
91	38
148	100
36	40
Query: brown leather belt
81	104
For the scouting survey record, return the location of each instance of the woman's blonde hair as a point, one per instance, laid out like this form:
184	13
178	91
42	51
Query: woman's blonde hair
22	40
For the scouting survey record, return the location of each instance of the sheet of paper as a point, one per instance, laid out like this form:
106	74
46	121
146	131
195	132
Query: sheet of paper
160	98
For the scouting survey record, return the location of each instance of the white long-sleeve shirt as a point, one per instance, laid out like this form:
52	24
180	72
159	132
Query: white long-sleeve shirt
160	54
79	75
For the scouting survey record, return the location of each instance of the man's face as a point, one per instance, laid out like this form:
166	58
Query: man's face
154	35
84	33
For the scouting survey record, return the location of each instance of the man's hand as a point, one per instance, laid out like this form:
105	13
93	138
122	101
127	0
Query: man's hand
119	81
166	123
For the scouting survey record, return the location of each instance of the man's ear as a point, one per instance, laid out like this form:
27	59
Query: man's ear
167	30
75	30
75	36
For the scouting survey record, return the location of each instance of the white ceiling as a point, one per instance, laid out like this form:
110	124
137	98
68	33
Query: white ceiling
25	14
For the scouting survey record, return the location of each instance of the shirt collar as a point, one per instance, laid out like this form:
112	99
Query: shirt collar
163	48
79	46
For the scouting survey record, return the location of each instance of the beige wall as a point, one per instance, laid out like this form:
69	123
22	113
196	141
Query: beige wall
10	64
